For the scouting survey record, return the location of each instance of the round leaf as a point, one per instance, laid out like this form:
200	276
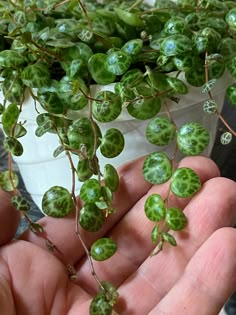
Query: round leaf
144	104
100	305
192	138
90	191
118	62
36	75
98	71
154	208
107	106
160	131
176	219
7	179
91	218
103	249
13	145
57	202
185	182
112	143
157	168
20	203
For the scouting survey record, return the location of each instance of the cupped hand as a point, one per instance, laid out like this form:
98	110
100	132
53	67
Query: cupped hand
196	277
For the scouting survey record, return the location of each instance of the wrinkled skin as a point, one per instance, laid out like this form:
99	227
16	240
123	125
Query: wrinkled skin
195	278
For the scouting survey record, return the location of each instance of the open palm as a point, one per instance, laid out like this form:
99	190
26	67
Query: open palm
197	277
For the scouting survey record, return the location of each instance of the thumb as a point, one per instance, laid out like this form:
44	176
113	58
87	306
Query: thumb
9	218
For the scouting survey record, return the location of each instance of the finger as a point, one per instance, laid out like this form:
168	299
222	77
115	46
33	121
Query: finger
133	233
9	218
206	212
208	281
62	231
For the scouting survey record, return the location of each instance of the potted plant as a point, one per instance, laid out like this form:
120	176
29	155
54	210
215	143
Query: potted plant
77	77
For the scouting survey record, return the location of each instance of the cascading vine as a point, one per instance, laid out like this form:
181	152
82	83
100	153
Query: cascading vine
57	51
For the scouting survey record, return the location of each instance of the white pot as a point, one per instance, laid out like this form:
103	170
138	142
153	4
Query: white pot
40	170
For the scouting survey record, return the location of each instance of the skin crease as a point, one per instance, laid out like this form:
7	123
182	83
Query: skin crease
195	278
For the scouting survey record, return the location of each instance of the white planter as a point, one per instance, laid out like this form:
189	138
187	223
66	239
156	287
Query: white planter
40	170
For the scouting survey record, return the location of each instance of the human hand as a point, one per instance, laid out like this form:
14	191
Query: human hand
197	277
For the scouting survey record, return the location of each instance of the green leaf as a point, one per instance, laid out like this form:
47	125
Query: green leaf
9	118
107	106
103	249
185	182
176	219
112	143
145	104
129	18
84	170
154	208
11	59
81	136
19	130
100	305
176	45
36	228
98	71
155	234
208	86
132	47
6	180
13	146
231	95
90	191
160	131
192	138
226	138
110	291
57	202
36	75
118	62
91	218
111	177
169	238
157	168
210	107
58	151
20	203
107	194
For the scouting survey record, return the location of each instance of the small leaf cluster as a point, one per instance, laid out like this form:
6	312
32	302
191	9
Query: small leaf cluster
183	183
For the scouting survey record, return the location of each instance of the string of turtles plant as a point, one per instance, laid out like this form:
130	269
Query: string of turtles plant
56	51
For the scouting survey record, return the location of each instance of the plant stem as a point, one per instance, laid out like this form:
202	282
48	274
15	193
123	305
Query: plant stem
77	210
135	4
225	123
93	272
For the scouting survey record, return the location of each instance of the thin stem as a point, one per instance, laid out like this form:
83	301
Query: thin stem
77	210
54	7
48	52
93	272
51	246
11	173
135	4
225	123
85	13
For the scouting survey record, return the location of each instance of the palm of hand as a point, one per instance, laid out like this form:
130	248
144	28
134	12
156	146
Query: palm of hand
178	281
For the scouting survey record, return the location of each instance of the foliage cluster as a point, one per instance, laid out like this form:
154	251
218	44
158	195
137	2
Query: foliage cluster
56	51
